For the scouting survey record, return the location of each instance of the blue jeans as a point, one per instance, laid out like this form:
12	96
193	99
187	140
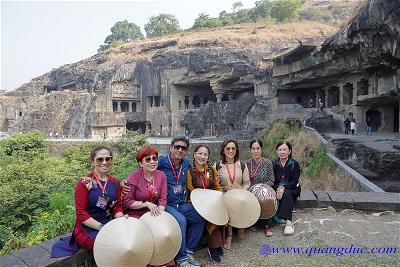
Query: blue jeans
192	227
369	130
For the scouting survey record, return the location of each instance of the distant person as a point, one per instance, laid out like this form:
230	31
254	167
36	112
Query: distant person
353	127
57	135
51	135
311	103
321	104
347	126
369	126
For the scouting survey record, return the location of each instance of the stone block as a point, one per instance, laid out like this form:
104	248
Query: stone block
307	199
341	200
375	201
323	199
80	258
33	256
10	260
47	245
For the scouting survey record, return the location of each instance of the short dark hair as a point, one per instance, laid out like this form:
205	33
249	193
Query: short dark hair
223	145
258	141
179	138
144	152
285	143
97	149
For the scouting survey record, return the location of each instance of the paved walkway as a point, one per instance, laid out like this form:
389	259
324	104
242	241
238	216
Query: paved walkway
320	228
382	142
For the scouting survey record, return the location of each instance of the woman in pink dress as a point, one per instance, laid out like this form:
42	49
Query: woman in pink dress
148	186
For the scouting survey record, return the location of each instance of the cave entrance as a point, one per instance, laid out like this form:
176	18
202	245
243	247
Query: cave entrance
136	126
375	116
193	96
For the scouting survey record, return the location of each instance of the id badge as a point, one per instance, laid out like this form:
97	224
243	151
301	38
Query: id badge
178	189
101	203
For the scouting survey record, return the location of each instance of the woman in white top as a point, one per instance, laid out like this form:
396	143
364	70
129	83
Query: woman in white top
232	173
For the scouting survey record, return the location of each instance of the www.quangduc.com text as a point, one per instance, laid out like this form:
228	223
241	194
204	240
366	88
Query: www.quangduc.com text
266	250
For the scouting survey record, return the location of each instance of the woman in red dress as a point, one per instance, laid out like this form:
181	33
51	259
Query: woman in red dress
97	201
148	186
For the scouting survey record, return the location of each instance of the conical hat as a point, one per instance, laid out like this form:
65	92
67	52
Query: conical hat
210	205
267	197
123	242
243	208
167	237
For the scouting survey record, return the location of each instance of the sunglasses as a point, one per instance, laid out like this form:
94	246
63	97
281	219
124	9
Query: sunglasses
102	159
149	159
177	147
230	148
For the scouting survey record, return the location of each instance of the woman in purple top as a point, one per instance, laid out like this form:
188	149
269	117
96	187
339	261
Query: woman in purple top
148	186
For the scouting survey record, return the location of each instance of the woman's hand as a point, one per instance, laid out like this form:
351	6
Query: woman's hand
124	188
279	192
154	210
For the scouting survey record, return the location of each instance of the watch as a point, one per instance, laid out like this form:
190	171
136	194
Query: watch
99	227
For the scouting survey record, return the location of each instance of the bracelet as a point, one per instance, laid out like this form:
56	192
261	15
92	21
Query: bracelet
99	227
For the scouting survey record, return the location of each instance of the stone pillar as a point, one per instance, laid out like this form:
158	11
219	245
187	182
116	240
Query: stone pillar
129	106
326	97
354	93
138	106
153	99
341	95
219	97
399	115
119	106
317	98
190	102
230	97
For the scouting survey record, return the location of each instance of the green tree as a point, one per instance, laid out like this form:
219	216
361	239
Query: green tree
122	32
161	25
204	21
285	9
237	6
261	10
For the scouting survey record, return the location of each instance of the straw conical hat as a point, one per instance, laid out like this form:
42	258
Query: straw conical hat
166	234
267	198
210	205
123	242
243	208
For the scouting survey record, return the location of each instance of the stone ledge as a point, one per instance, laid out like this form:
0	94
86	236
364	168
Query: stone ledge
39	255
307	199
373	201
323	199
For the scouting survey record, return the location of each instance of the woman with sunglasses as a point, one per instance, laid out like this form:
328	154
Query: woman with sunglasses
205	177
97	201
261	172
148	186
232	174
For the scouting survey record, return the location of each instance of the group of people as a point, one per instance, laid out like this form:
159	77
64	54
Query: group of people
164	183
352	126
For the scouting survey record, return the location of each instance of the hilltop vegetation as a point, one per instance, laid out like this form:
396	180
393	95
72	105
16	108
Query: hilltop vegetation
264	11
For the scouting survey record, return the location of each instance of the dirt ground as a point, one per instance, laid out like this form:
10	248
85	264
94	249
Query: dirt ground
366	238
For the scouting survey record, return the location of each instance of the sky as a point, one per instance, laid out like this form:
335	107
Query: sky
37	36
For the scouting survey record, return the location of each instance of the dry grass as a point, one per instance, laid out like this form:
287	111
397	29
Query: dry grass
328	181
247	36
